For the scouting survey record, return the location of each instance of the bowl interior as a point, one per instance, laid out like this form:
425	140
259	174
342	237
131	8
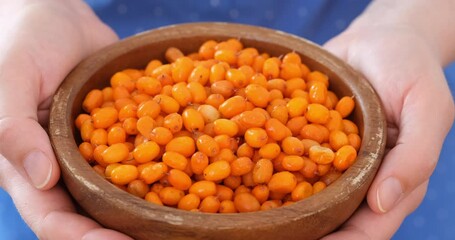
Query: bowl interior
119	210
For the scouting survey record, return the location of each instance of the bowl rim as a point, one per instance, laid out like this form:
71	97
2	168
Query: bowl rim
369	158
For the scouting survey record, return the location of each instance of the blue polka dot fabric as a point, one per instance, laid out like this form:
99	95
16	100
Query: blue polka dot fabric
316	20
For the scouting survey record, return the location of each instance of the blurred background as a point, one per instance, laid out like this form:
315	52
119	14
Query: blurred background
317	21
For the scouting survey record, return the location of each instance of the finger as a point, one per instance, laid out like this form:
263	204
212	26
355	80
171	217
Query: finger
50	214
421	110
366	224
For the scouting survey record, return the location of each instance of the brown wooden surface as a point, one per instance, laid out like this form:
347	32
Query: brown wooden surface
307	219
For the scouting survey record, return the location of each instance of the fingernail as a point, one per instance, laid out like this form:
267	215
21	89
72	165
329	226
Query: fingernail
389	192
38	168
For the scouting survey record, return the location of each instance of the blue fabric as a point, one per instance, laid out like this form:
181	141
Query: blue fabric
316	20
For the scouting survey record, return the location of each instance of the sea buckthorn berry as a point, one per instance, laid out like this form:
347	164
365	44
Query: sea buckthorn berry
345	106
138	188
226	55
223	87
116	135
271	68
261	193
172	54
207	49
256	137
207	145
81	118
152	65
97	155
108	94
259	79
181	69
301	191
270	150
154	172
308	143
318	186
224	155
104	117
345	157
241	166
293	163
282	182
317	113
153	197
94	99
335	121
245	150
146	152
354	141
276	129
199	161
189	202
246	202
148	108
296	124
203	188
161	135
313	132
318	92
115	153
124	174
232	106
184	145
237	77
225	126
292	57
181	94
278	84
330	177
321	155
280	112
350	127
270	204
145	125
130	126
209	204
179	179
122	79
215	100
127	111
193	120
175	160
217	171
167	104
292	146
200	74
198	93
262	171
294	84
148	85
290	70
86	150
171	196
297	107
163	69
224	193
173	122
318	77
209	113
227	206
257	94
338	139
98	137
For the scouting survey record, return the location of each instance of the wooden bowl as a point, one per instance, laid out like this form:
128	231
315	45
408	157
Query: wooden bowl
113	208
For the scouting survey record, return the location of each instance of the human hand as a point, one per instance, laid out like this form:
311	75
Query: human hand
406	71
41	42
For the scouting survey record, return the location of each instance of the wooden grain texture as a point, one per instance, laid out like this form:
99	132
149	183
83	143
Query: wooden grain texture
113	208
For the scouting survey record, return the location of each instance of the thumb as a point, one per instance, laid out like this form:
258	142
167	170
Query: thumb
23	141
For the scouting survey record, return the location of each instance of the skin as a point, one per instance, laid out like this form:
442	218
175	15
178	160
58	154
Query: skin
43	41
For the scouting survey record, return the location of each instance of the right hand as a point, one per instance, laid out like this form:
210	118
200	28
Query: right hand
41	42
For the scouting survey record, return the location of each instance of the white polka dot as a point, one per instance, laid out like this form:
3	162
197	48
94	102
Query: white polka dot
270	15
302	12
419	221
340	24
122	9
214	3
234	13
158	11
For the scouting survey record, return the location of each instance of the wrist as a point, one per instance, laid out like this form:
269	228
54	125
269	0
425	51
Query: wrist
432	21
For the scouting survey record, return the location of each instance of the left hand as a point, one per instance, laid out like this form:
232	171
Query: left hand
407	75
